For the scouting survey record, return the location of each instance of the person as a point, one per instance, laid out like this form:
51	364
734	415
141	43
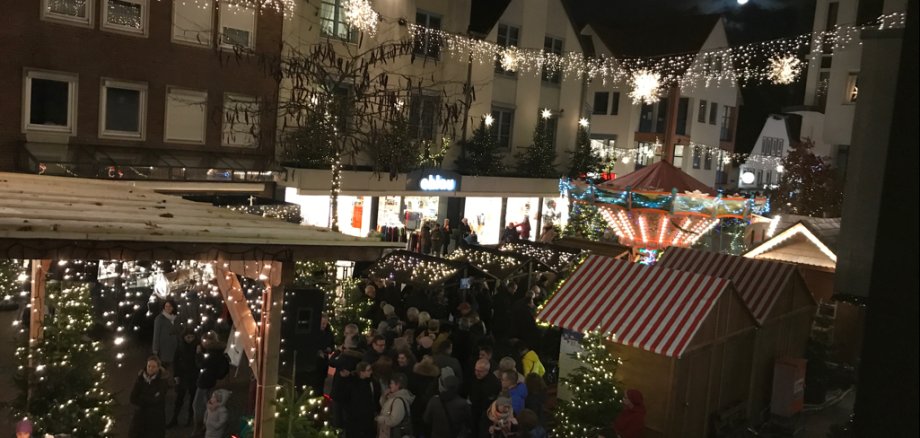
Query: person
630	422
444	358
530	425
216	416
510	233
149	399
344	361
548	235
523	321
165	335
517	391
530	361
464	228
447	414
500	419
395	419
378	349
186	375
507	363
405	361
214	366
446	234
360	404
524	228
24	429
325	344
425	240
484	390
536	395
436	237
423	383
471	239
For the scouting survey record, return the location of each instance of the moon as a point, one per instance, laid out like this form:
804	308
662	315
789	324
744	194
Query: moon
742	2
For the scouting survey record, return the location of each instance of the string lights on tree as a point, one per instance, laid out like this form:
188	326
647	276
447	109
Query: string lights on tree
596	396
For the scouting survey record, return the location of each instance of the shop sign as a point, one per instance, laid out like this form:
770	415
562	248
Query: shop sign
433	181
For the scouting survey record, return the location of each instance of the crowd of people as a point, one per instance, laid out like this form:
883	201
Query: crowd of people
439	239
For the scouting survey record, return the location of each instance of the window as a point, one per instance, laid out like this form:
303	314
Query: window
70	11
603	145
701	112
551	45
678	157
645	154
186	115
713	113
772	146
192	22
123	109
50	102
852	91
237	26
125	16
645	117
769	179
728	116
759	178
707	160
429	45
831	21
821	90
661	120
552	124
240	120
697	156
423	116
683	109
501	129
508	36
332	21
615	105
600	102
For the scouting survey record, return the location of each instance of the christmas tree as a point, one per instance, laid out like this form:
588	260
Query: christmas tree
585	222
62	376
480	155
596	397
809	184
584	159
538	160
9	284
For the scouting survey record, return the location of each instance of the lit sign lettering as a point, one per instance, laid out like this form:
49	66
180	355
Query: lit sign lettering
437	183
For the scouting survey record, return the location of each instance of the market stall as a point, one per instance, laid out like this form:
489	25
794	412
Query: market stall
685	340
555	257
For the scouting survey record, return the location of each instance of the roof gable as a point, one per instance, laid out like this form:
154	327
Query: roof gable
797	244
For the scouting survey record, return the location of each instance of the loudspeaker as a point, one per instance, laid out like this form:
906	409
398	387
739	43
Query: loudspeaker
303	308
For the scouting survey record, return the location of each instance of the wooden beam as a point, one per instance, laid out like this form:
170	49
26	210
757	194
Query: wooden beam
267	383
238	307
37	302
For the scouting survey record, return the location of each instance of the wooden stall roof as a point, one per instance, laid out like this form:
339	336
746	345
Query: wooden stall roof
420	269
59	217
651	308
555	257
600	248
759	282
498	264
809	241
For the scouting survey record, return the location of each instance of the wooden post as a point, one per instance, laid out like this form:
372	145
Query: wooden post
37	302
269	352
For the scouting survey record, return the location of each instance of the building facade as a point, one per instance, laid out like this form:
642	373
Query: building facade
158	91
763	170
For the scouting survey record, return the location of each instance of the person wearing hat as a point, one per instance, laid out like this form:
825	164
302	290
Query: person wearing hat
186	375
423	382
447	414
24	428
630	422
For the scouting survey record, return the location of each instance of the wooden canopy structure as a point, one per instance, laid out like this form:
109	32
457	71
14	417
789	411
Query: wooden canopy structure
554	257
418	269
775	294
685	339
500	265
46	218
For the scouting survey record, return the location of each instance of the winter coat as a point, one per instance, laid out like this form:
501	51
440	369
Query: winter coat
360	407
518	394
346	360
149	399
445	361
215	422
165	338
525	229
447	413
212	363
531	364
395	420
523	324
630	423
184	365
482	393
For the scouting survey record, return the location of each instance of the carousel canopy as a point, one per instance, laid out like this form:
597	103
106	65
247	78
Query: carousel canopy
661	176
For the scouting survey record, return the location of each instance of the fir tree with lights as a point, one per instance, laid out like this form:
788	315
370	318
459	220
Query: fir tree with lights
585	222
809	185
538	160
596	396
480	155
9	284
62	377
584	159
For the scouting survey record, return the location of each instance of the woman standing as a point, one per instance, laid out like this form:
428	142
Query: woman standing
394	420
149	398
165	335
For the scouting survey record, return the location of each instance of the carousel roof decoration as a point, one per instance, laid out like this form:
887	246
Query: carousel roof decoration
660	206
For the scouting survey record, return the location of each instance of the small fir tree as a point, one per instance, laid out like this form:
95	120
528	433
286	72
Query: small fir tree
480	155
584	159
538	160
809	185
62	376
9	284
596	396
585	222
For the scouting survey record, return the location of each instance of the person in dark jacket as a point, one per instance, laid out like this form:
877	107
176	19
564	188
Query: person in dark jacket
344	362
360	403
446	235
423	383
325	344
443	357
536	395
149	398
214	366
510	234
483	391
425	240
186	374
524	323
166	334
447	414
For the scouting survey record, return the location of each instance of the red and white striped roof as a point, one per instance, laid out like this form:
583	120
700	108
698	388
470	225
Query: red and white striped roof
652	308
759	282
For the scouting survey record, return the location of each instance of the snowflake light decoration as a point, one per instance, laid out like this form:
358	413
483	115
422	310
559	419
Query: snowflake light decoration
510	59
488	119
361	15
784	69
645	87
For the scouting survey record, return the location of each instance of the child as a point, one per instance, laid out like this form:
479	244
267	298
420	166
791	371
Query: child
24	429
215	417
502	418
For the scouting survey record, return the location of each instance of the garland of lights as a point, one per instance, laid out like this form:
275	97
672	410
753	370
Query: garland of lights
487	261
748	63
284	7
415	268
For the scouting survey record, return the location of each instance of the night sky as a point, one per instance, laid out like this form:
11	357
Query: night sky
758	20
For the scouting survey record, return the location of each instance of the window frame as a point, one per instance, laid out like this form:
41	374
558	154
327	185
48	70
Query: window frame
615	103
701	109
594	108
204	121
726	131
223	119
73	81
554	78
851	92
424	49
89	21
110	27
496	112
422	98
141	88
220	29
707	160
607	151
697	156
194	42
675	156
713	113
338	18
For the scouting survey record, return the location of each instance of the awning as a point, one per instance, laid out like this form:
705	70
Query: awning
652	308
759	282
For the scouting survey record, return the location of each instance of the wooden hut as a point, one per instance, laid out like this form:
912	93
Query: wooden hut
775	294
555	257
685	339
413	268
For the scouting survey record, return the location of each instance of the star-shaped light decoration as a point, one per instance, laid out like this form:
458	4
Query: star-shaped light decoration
510	59
583	122
488	119
361	15
784	69
646	86
546	113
